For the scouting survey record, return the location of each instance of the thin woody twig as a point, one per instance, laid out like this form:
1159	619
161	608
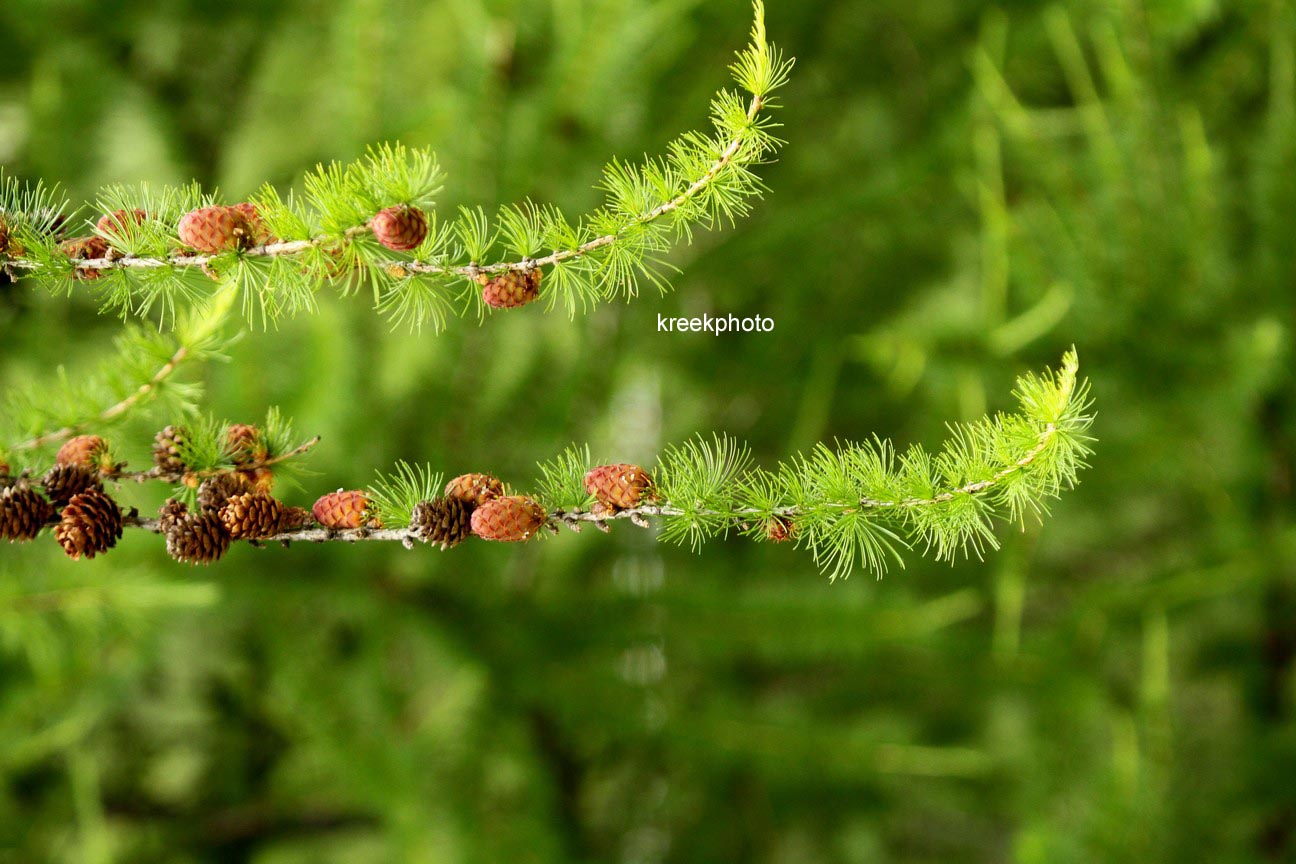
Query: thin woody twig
114	410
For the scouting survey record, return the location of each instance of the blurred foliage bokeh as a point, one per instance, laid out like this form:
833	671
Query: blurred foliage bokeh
969	188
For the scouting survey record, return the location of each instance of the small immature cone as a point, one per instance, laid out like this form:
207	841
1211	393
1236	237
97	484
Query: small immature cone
260	235
243	441
780	529
91	525
23	513
87	451
509	520
117	221
400	228
511	289
475	489
618	487
253	515
197	538
215	229
343	509
4	236
64	482
83	249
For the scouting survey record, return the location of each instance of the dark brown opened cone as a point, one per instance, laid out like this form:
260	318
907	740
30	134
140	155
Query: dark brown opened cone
216	490
166	449
23	512
64	482
443	521
91	525
253	515
198	538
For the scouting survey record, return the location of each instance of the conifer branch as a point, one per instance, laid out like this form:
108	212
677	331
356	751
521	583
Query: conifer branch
373	223
853	505
141	372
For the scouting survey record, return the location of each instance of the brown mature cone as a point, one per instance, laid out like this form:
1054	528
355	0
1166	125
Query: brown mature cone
170	513
260	235
64	482
243	441
400	228
511	289
618	487
342	509
475	489
215	229
83	249
444	520
89	451
253	515
780	529
216	490
198	538
23	512
509	520
166	449
91	525
117	221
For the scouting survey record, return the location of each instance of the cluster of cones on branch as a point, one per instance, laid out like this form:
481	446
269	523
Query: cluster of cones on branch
236	504
238	227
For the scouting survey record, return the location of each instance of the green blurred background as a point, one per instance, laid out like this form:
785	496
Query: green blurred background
969	188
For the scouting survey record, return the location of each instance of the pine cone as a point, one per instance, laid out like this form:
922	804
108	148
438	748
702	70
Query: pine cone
64	482
4	237
511	289
342	509
83	249
260	234
118	221
510	520
475	489
170	513
253	515
198	538
215	229
216	490
444	520
243	441
91	525
23	512
780	529
618	487
400	228
166	449
88	451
